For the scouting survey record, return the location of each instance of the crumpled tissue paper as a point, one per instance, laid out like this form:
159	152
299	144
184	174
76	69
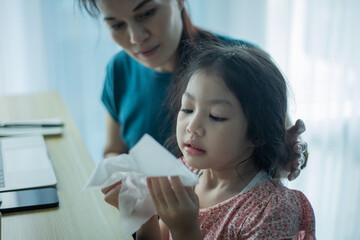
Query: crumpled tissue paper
146	159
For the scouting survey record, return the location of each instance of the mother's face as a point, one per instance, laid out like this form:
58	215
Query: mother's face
148	30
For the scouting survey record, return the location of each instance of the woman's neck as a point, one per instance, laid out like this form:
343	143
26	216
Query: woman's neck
169	66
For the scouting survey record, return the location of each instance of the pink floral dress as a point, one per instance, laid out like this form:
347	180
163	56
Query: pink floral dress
265	209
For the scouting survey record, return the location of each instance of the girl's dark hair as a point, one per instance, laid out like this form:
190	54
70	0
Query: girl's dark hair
260	87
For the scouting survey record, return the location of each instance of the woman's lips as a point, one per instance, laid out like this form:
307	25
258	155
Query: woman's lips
149	52
194	150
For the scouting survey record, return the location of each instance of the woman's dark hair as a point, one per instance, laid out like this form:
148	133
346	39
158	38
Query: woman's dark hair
260	87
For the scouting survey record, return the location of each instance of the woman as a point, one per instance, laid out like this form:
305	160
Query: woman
154	35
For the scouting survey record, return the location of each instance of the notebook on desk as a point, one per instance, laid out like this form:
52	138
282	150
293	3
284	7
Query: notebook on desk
53	126
25	163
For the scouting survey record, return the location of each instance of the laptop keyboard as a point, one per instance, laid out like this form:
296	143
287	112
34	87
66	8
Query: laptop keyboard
2	184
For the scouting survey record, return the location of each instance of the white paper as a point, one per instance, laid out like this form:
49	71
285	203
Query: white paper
146	159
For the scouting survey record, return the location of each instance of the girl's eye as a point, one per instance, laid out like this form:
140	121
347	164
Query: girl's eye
117	26
147	14
217	119
187	111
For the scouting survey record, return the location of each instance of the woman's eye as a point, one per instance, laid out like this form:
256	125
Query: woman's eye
117	26
147	14
185	110
217	119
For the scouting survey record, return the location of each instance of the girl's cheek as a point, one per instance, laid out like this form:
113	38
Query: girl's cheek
181	118
183	121
181	130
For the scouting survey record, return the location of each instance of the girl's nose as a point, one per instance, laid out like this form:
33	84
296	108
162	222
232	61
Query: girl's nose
138	34
195	127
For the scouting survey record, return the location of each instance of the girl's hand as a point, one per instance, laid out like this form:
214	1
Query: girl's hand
299	154
177	206
112	194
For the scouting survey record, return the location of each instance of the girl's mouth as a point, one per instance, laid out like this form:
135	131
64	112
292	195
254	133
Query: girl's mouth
194	150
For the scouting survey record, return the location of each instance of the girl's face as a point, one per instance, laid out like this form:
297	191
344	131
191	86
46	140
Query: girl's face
148	30
211	126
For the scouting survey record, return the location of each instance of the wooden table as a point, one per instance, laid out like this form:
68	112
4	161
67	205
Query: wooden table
80	215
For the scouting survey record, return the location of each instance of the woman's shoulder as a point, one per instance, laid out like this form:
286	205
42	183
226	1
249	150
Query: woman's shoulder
120	59
205	36
122	64
227	40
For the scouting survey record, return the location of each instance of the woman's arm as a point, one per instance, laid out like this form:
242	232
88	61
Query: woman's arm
112	194
153	229
114	144
150	230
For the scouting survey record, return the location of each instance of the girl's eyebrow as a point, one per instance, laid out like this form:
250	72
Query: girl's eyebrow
211	101
140	5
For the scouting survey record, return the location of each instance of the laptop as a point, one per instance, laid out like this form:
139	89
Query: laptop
25	163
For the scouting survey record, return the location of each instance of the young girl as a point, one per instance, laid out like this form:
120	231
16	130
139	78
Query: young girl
232	104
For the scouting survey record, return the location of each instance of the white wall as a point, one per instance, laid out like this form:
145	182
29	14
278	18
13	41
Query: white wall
50	45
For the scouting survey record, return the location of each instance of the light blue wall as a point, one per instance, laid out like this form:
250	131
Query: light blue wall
78	48
48	45
242	19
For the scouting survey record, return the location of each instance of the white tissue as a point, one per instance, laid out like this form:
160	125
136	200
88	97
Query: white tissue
146	159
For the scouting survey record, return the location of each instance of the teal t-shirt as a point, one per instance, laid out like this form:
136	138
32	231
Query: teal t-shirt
134	96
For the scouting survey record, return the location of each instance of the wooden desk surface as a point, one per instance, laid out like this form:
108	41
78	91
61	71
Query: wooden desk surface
79	215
